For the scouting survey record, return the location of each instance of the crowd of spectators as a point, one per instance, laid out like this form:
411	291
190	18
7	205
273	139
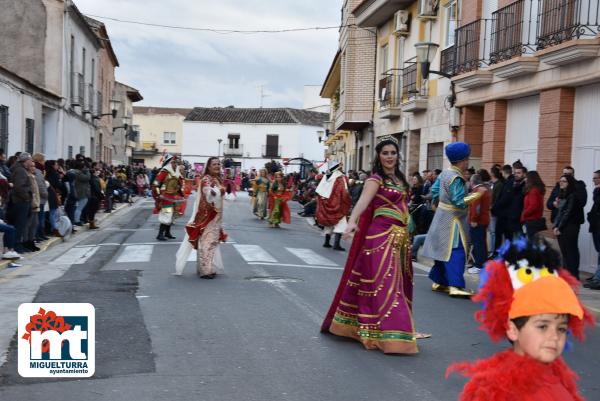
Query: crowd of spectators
42	198
513	204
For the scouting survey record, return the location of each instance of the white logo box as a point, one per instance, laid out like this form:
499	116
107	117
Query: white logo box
80	364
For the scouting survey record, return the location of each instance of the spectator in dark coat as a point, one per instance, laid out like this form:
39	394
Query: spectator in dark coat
81	184
96	197
594	220
54	191
496	185
501	206
580	193
19	208
4	168
568	222
39	159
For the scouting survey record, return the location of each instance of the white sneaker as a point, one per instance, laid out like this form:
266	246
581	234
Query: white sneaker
11	255
12	265
473	270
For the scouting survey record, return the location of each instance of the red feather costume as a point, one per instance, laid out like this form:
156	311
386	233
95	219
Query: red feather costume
514	287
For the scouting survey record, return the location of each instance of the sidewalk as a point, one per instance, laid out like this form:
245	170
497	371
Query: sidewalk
100	217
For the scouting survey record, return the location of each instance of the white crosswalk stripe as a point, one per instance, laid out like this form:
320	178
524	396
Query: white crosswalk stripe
254	253
136	253
75	256
310	257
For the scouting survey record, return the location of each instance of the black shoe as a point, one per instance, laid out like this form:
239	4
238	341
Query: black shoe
169	236
327	241
590	279
339	248
161	238
80	224
594	285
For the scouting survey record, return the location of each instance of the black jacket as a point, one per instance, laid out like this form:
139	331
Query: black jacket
509	203
567	212
95	190
22	190
594	214
580	195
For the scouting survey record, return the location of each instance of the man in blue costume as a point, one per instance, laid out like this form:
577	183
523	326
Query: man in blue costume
448	235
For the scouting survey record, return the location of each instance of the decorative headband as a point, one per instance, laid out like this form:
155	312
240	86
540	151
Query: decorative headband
387	138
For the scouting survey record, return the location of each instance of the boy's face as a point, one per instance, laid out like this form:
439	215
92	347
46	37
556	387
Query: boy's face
542	338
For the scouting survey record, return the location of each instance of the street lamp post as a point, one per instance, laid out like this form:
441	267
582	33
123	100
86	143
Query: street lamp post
425	55
219	148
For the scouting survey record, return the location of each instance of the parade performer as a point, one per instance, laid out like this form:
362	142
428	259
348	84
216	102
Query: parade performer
373	302
279	196
260	194
167	192
448	236
229	184
204	229
529	300
333	204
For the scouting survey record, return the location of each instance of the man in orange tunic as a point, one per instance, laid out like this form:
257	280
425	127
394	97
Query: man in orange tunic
333	204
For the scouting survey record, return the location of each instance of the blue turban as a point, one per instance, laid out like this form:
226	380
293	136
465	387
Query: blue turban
457	151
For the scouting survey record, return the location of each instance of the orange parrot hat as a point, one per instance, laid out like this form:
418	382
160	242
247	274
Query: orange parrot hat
527	280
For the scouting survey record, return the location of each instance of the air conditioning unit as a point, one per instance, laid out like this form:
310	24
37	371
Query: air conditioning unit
428	8
401	19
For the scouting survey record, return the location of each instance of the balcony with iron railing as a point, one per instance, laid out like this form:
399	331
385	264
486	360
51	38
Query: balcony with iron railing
390	94
524	28
414	93
271	151
447	60
233	149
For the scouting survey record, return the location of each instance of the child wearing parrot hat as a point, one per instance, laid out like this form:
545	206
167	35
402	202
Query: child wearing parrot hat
529	300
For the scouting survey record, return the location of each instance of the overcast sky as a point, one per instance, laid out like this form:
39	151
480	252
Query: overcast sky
177	68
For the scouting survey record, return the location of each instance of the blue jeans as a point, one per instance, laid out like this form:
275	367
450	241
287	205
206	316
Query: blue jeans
596	237
52	218
41	228
80	205
9	235
417	243
479	245
492	232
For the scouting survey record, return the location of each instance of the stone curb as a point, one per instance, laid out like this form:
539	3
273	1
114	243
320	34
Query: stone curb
56	240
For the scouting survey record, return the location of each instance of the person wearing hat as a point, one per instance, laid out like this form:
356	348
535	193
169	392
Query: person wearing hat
167	191
333	204
19	208
448	236
528	299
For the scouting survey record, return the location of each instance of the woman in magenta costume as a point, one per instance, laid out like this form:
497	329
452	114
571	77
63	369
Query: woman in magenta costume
373	303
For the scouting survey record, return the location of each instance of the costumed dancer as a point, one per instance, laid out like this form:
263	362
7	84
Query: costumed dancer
167	192
529	300
279	195
373	302
204	230
333	204
229	184
448	235
260	193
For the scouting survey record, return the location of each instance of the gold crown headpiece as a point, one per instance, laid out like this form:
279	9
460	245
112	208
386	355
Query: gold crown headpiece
387	138
278	174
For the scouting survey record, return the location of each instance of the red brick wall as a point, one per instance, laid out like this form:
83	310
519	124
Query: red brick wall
555	133
471	128
494	133
471	11
504	3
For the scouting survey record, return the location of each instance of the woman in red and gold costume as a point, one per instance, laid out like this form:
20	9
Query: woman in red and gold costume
279	196
204	230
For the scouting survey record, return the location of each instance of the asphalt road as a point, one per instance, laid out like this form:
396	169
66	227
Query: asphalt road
250	334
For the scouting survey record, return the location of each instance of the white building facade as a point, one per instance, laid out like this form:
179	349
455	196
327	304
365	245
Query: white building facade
253	137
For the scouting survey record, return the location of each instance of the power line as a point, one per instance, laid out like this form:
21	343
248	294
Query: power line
221	31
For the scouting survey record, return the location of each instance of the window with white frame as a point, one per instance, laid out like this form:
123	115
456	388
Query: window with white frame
451	15
169	138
